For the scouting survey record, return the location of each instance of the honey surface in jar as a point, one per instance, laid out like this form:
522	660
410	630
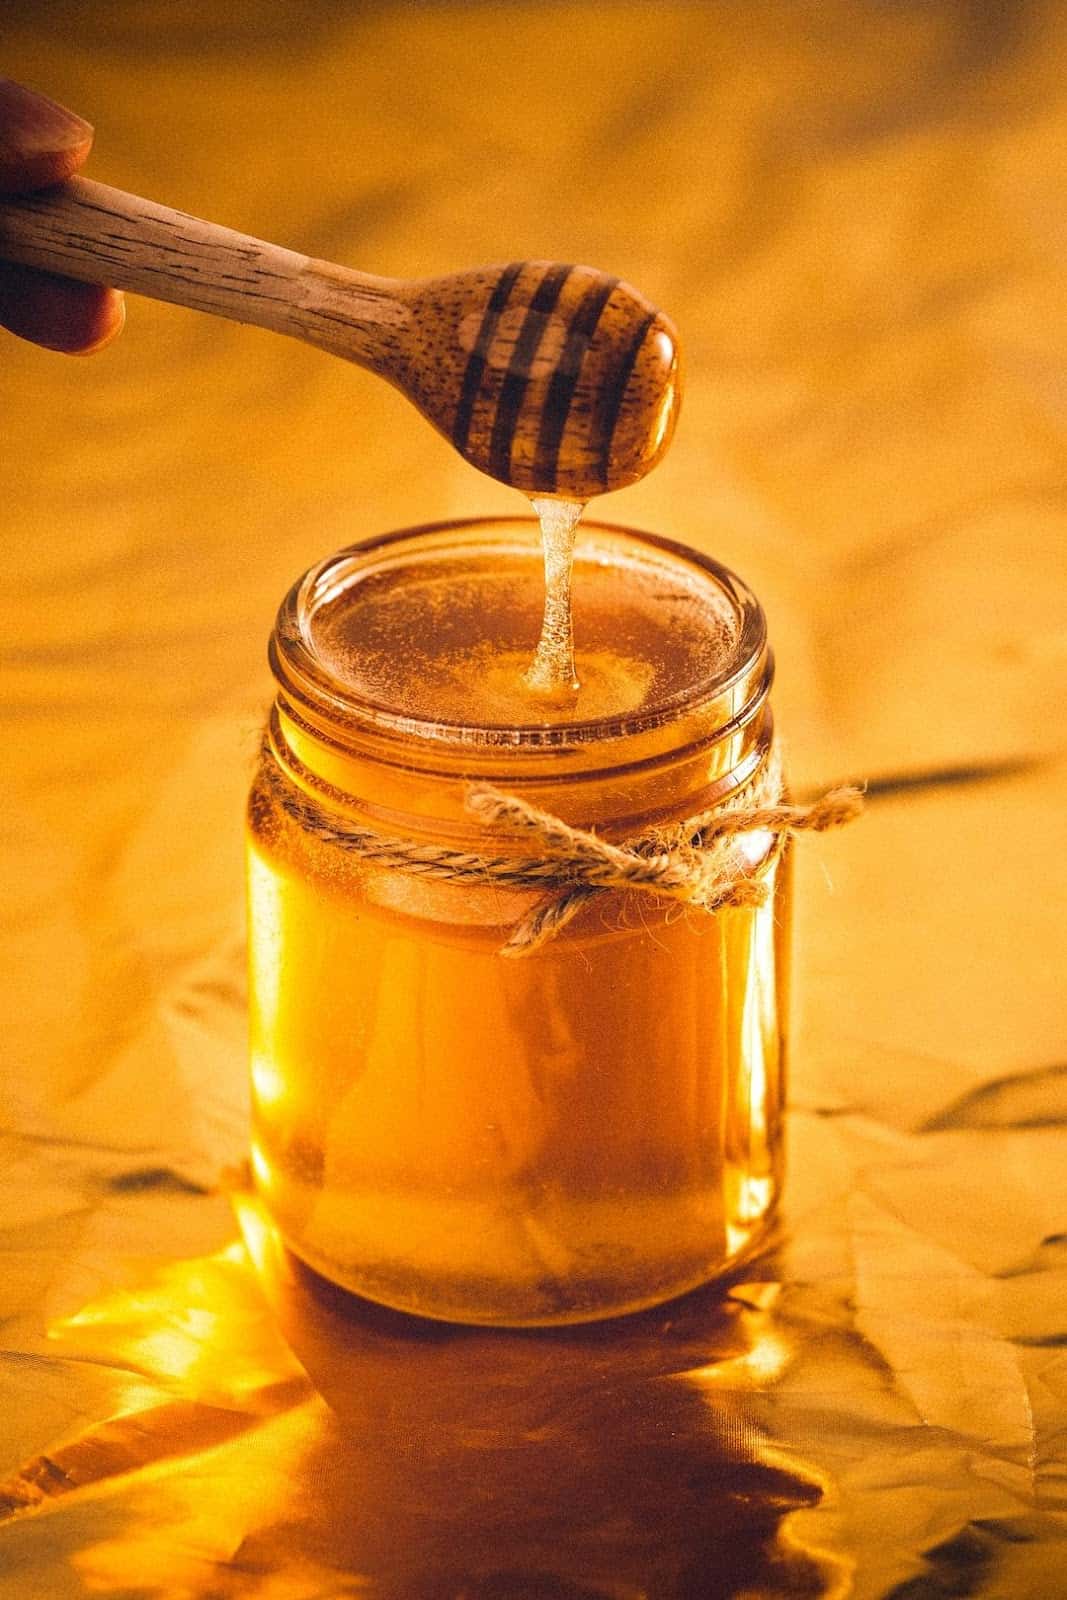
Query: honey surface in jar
579	1132
450	638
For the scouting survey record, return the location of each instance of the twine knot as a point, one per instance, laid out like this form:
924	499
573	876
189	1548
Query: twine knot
696	862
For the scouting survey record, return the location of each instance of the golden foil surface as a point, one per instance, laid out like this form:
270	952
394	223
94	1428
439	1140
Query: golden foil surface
855	214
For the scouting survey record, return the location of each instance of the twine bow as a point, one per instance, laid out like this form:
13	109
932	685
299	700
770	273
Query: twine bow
696	861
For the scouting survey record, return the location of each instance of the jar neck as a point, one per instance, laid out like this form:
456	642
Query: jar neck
623	798
623	774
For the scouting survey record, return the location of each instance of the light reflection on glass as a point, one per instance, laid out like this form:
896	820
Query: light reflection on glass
756	1041
260	1166
268	1082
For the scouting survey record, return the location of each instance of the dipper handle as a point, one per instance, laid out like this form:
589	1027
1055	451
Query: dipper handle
554	379
81	229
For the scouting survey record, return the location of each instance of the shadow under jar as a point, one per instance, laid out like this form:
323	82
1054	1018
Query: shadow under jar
572	1133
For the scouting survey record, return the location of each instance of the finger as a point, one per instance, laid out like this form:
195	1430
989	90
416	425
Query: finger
43	143
77	318
40	142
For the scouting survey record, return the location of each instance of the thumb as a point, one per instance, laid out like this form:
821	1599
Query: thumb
40	142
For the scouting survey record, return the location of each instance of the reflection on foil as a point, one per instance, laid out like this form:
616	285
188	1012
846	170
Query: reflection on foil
370	1453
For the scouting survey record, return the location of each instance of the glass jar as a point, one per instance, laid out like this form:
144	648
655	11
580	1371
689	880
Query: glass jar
588	1128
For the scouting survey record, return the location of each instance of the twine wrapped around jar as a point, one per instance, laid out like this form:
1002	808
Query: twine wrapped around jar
695	861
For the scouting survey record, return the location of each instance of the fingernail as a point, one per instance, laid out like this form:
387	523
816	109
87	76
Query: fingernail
31	124
111	330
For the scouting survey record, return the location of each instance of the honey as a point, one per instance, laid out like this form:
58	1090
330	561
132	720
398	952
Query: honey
577	1133
552	671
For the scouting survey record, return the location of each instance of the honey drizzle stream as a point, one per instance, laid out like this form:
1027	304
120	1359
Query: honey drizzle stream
551	673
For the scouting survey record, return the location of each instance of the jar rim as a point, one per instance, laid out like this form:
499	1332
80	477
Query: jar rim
303	674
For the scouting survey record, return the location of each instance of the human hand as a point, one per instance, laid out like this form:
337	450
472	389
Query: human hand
42	143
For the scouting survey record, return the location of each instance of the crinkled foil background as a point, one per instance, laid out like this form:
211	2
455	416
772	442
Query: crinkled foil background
856	212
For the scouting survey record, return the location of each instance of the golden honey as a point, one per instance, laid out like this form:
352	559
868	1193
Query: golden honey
577	1132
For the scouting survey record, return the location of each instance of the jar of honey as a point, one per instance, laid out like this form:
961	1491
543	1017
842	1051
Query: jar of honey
443	1122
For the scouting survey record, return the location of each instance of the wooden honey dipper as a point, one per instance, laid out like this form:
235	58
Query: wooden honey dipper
554	379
